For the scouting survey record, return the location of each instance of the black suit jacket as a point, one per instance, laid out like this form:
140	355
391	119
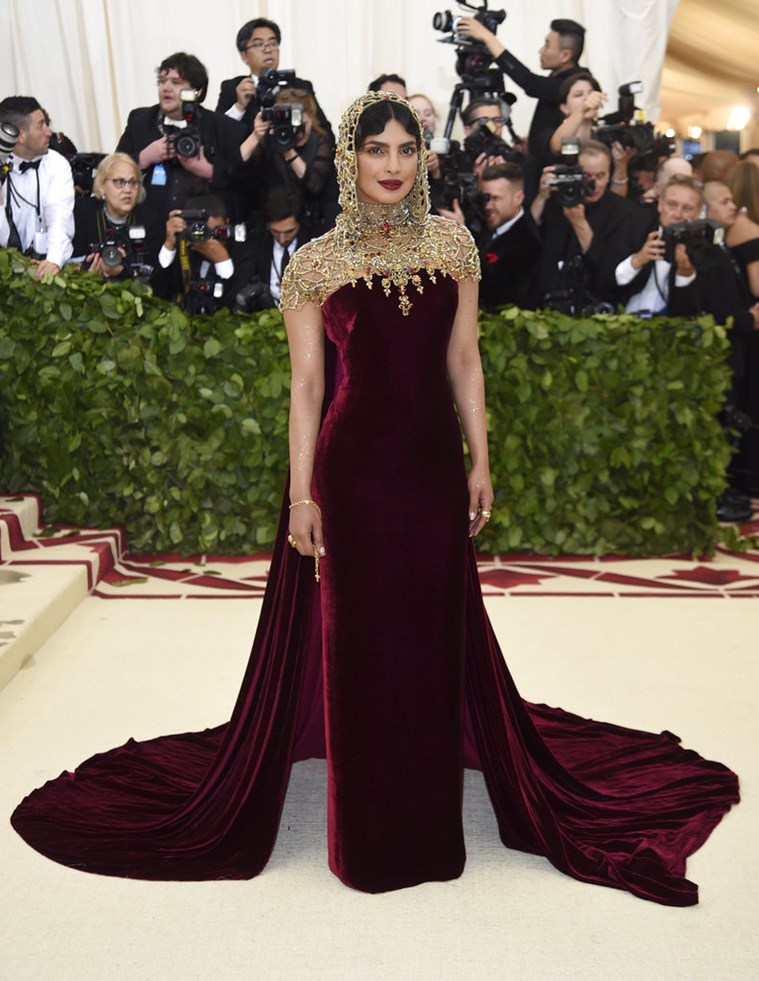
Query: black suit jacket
615	222
261	246
221	138
228	97
168	283
90	221
510	265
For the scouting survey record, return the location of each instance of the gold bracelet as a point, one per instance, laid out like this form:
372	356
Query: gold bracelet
307	500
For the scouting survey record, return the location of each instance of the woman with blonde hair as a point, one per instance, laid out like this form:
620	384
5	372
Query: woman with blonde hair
115	235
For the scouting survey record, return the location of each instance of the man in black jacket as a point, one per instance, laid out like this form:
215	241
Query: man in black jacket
560	55
258	42
584	242
509	258
152	133
197	268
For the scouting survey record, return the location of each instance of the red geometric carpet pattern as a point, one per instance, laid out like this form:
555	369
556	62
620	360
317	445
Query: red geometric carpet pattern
114	574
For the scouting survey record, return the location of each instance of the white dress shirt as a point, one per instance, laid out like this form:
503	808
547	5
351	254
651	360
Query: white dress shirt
233	112
50	230
275	273
654	296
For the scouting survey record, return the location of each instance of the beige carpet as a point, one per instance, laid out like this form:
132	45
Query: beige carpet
143	667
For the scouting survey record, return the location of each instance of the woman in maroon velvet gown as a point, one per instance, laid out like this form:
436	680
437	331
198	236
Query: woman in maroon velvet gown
387	665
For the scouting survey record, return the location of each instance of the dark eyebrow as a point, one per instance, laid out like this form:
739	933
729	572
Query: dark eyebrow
381	143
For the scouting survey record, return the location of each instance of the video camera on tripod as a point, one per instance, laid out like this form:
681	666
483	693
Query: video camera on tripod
457	162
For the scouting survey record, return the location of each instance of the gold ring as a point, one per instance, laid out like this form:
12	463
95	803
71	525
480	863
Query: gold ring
485	514
292	541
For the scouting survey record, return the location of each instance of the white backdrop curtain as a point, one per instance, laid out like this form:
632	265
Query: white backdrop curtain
90	61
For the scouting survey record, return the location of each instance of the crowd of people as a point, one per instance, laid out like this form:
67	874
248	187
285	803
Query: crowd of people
210	206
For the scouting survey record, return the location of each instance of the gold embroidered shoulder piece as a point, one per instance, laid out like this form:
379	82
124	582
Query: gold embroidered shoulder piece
394	251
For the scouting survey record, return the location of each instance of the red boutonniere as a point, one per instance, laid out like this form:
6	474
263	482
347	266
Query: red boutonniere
491	257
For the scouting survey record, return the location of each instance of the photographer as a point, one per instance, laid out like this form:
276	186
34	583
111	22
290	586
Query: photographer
585	229
37	196
271	248
115	235
200	265
560	55
681	270
488	114
258	42
580	98
288	148
178	144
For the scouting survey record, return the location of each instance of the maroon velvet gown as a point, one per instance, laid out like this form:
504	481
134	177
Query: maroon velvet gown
391	670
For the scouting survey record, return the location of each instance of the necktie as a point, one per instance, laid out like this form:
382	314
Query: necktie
29	165
285	260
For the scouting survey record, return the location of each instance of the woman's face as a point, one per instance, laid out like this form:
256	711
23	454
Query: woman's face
425	111
387	164
120	200
577	94
306	131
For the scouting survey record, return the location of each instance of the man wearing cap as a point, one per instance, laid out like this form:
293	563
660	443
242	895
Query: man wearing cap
560	54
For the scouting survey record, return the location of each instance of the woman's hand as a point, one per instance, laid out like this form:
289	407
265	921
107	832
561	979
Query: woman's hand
306	530
480	499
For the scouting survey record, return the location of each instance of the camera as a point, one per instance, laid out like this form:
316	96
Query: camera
198	231
203	297
254	296
271	82
83	167
286	120
473	59
8	139
626	126
568	182
123	247
697	237
186	140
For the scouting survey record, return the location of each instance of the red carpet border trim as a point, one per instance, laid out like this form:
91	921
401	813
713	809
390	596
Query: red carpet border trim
112	574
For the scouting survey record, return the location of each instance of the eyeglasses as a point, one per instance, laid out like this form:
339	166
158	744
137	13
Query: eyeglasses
258	45
685	179
122	182
497	120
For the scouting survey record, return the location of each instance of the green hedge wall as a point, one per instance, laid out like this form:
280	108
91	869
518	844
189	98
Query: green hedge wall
118	409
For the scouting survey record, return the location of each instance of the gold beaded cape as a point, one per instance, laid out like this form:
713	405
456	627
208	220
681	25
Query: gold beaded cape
394	243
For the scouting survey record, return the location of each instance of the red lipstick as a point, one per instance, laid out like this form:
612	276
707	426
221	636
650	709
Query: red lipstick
391	185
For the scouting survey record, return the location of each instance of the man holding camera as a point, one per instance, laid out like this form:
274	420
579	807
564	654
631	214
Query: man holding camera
200	265
560	55
37	196
177	143
258	42
586	230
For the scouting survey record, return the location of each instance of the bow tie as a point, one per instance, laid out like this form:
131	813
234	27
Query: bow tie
29	165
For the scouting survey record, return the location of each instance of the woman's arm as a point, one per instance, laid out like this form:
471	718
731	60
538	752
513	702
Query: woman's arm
465	373
305	337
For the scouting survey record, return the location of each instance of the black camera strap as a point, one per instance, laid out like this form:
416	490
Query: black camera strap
15	196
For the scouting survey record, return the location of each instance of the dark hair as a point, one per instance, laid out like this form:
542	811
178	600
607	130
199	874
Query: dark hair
17	109
571	36
189	67
213	206
281	203
468	114
243	35
744	183
379	81
507	171
564	89
751	152
376	117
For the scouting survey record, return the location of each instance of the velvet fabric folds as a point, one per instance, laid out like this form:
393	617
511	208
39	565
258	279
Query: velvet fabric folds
391	670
